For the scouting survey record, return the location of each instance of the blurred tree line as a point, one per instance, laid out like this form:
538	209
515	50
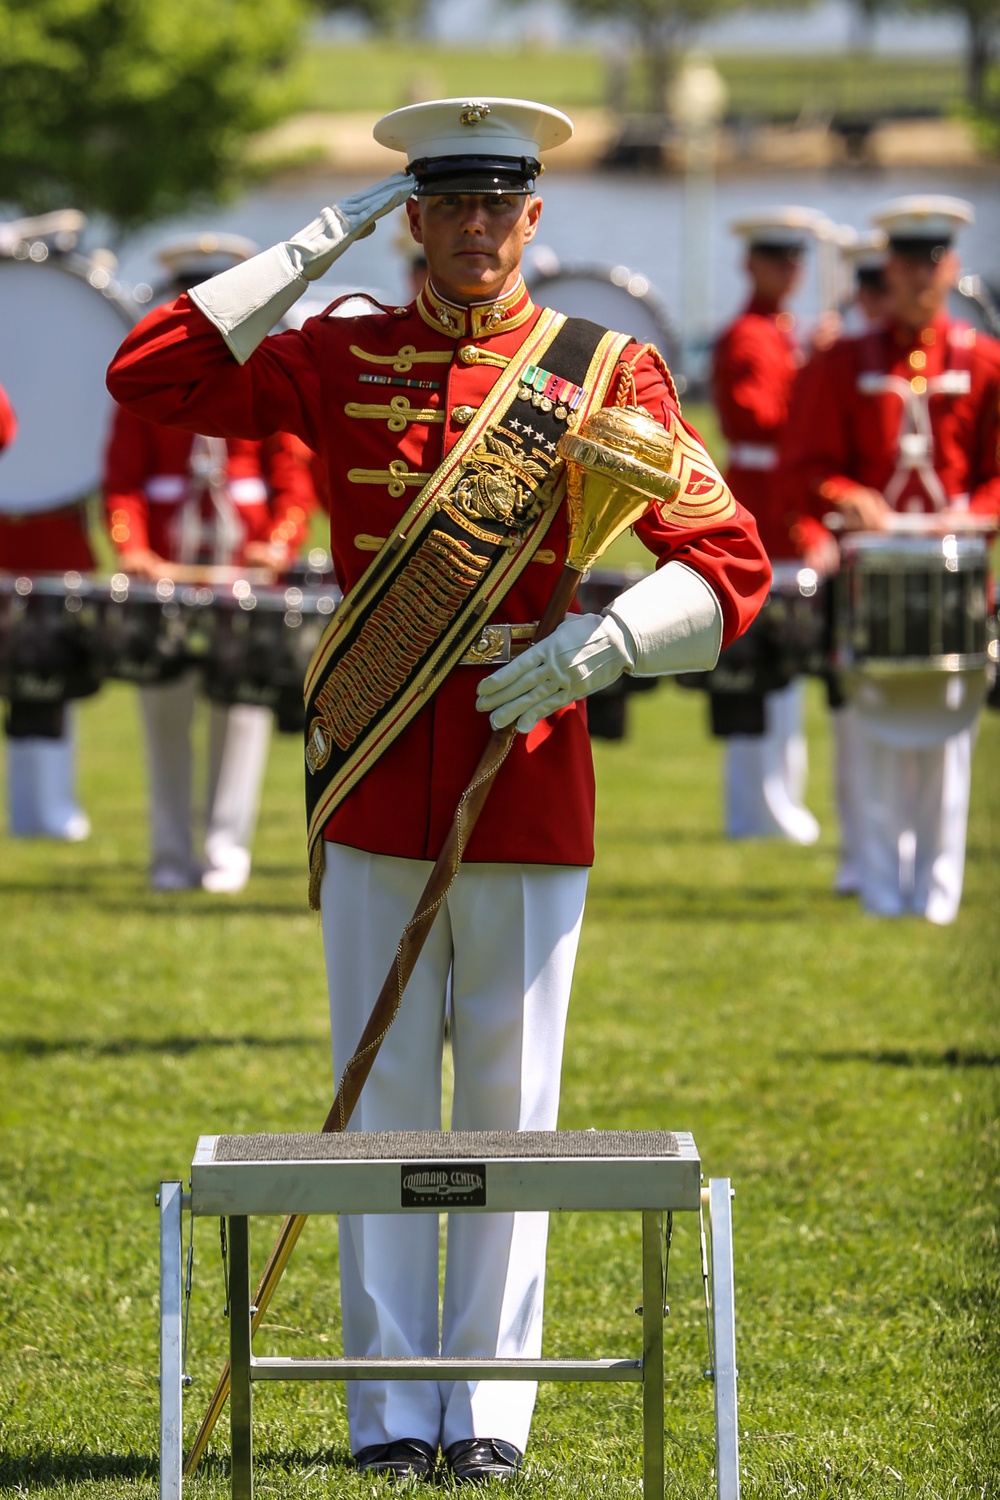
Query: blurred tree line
136	109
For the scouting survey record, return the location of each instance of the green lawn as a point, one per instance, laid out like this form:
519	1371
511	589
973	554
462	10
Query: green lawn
840	1069
385	75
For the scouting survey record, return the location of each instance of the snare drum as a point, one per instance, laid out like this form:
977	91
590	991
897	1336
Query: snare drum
49	640
911	602
261	641
911	632
149	631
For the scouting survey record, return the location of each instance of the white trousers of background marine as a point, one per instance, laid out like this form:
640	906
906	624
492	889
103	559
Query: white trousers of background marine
238	740
506	940
765	774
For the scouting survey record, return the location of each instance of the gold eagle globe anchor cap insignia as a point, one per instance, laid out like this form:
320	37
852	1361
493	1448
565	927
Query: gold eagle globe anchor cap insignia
617	466
474	145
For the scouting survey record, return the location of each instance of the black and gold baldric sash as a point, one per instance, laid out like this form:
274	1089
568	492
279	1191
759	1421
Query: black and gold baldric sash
463	543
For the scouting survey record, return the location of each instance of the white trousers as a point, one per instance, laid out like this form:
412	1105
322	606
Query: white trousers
238	740
915	811
41	786
847	754
502	953
765	775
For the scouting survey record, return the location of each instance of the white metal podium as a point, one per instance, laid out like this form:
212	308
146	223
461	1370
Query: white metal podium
650	1172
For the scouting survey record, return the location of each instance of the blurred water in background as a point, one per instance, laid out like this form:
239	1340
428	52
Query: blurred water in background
607	219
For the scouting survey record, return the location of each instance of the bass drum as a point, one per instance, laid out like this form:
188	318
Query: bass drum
63	319
613	296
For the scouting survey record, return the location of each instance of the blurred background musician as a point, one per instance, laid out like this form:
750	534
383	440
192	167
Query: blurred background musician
903	419
8	421
174	497
864	264
756	361
45	538
865	307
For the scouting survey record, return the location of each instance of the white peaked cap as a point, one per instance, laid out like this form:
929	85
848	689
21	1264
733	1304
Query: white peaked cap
195	252
867	249
783	226
473	127
930	216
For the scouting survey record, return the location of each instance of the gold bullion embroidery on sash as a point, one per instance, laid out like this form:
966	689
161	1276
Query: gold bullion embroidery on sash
404	360
396	414
365	542
422	602
397	476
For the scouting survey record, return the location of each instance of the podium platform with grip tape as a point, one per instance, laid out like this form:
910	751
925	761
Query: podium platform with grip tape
654	1173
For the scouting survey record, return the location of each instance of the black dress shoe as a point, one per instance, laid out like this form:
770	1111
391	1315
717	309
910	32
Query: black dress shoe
397	1460
474	1460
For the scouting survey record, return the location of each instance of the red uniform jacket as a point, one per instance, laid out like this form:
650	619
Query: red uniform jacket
755	366
49	541
8	421
841	435
174	367
147	480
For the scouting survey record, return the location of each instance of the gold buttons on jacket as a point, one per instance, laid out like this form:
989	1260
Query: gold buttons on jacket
469	354
918	359
918	385
463	415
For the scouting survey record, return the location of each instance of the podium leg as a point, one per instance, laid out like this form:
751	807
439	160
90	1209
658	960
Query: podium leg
171	1341
239	1358
652	1355
720	1213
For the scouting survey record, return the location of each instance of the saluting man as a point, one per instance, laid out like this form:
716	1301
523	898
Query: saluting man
172	497
438	423
756	361
904	418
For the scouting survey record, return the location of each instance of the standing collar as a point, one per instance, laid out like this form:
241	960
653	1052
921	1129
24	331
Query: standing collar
478	319
905	337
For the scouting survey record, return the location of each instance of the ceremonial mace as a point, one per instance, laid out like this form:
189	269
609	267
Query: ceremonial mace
616	468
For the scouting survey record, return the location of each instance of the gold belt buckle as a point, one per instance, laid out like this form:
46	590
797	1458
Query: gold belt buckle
497	644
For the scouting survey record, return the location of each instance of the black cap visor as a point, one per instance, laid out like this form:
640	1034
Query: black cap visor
779	250
920	247
473	174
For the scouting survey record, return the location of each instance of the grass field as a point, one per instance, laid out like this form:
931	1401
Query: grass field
384	75
840	1069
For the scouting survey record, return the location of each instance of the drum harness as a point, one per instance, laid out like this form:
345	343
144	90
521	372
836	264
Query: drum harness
915	444
218	537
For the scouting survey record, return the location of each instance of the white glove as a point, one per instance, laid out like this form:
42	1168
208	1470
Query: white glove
670	621
584	653
246	302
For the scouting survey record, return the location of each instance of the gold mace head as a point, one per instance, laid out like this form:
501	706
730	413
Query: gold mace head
617	465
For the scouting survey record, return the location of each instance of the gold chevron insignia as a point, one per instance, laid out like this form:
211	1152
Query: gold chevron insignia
404	360
396	414
705	496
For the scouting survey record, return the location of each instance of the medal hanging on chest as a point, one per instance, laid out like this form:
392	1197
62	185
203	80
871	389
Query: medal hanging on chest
550	393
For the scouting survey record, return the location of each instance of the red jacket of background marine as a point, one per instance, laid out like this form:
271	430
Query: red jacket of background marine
8	421
841	435
52	541
148	480
382	399
755	366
